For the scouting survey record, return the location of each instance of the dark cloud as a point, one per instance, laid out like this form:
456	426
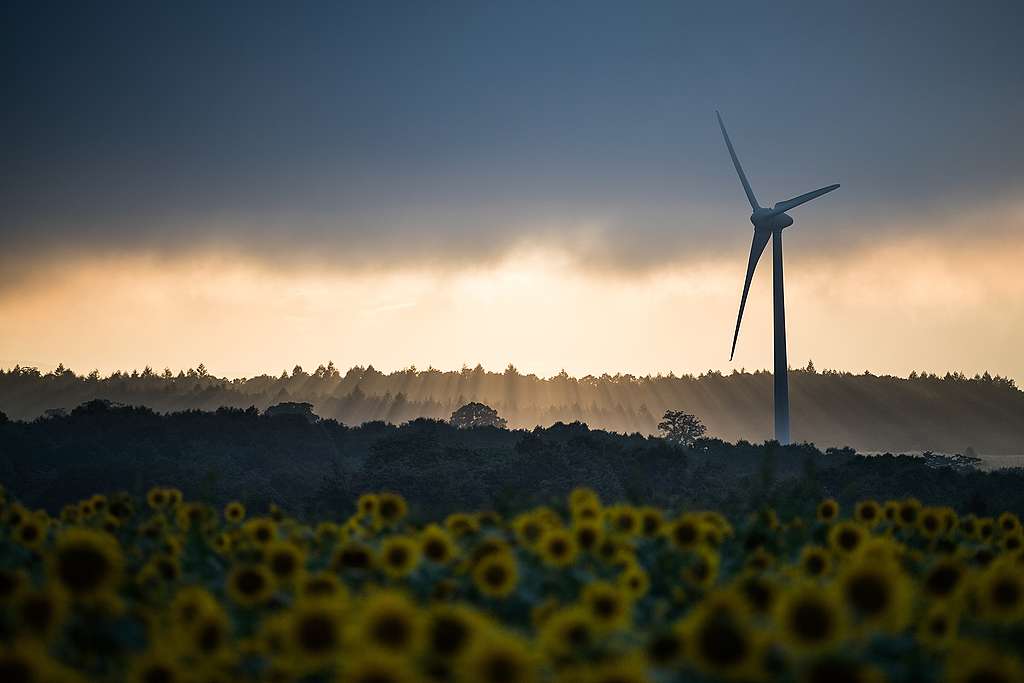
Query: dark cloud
416	133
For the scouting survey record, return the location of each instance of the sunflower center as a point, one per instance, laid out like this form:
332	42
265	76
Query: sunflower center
448	635
868	594
210	637
500	668
664	648
721	643
398	556
391	630
942	580
317	633
435	549
158	673
250	582
1006	593
811	621
685	534
82	568
495	575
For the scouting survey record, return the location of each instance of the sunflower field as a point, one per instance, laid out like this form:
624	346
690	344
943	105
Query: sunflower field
166	590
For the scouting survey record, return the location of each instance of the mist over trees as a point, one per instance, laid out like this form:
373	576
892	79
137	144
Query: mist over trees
866	411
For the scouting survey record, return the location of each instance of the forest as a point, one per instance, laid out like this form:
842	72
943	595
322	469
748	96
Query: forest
319	467
872	413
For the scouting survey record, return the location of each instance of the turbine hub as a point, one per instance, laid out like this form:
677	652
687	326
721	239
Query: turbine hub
763	219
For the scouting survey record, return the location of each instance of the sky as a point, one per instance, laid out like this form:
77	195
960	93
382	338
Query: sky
256	185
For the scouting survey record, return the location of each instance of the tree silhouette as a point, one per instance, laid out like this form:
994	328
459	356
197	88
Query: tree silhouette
477	415
681	428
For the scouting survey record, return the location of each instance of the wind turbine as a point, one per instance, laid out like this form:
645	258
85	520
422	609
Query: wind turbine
769	224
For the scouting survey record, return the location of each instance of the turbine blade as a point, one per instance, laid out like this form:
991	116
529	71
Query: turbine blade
782	207
757	245
736	162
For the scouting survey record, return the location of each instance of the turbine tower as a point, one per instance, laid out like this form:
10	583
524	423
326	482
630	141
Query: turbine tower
769	224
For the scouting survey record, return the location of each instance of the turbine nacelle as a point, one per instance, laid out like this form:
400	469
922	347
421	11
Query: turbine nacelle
770	219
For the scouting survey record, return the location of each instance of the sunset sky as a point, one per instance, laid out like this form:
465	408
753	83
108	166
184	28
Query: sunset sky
253	186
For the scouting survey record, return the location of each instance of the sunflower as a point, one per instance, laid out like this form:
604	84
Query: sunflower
496	575
846	537
938	628
86	562
908	512
322	585
815	561
188	604
389	622
234	512
367	505
391	508
461	524
1012	542
877	593
719	637
666	646
528	529
828	510
567	632
1000	592
399	556
623	519
1008	523
260	530
163	567
759	592
609	606
986	528
931	522
809	618
40	612
437	545
284	560
702	568
111	524
498	658
250	585
868	512
588	534
760	560
450	629
944	580
193	515
327	533
581	496
210	634
313	632
157	498
31	533
686	532
352	556
634	580
557	547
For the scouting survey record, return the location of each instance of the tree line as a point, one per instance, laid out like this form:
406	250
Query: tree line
923	411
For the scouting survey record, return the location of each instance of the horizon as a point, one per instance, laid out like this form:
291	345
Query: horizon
312	370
